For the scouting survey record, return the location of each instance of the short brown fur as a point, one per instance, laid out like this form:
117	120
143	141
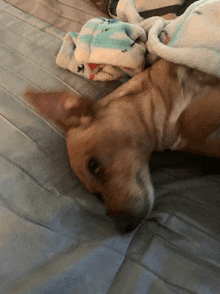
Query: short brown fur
166	106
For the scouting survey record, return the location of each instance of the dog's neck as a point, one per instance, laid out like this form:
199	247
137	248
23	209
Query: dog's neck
154	93
176	95
162	95
163	100
172	91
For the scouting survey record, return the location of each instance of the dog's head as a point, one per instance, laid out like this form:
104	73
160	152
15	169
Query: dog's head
108	149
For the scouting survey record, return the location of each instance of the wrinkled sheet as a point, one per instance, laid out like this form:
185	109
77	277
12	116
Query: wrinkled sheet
66	15
54	236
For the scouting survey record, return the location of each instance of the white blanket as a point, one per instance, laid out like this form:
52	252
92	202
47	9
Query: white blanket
193	39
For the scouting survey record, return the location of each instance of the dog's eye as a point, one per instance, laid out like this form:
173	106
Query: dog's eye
94	166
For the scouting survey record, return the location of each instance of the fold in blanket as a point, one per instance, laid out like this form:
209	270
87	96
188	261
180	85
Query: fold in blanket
193	39
104	50
110	49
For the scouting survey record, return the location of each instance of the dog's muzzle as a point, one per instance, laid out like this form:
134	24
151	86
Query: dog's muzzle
143	203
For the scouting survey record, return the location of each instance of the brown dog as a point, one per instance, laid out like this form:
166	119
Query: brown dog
110	142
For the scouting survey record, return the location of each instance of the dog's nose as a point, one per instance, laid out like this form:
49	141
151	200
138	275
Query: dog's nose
126	223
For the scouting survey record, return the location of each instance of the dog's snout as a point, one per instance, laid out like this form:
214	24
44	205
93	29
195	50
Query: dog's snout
126	223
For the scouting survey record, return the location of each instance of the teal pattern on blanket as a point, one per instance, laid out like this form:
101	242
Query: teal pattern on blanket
73	34
112	34
178	32
104	49
192	39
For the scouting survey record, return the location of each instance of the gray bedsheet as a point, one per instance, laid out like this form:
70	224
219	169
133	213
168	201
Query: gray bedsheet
54	236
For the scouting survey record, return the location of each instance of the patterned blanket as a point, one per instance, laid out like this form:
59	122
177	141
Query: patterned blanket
110	49
193	39
105	49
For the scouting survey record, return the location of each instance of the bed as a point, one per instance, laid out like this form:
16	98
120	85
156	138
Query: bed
55	237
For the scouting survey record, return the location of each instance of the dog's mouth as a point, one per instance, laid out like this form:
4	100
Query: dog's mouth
126	220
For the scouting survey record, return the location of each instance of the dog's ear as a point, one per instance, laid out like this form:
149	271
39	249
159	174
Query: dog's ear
65	109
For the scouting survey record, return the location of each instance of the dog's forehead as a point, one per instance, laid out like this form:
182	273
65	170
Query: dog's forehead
91	139
105	125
